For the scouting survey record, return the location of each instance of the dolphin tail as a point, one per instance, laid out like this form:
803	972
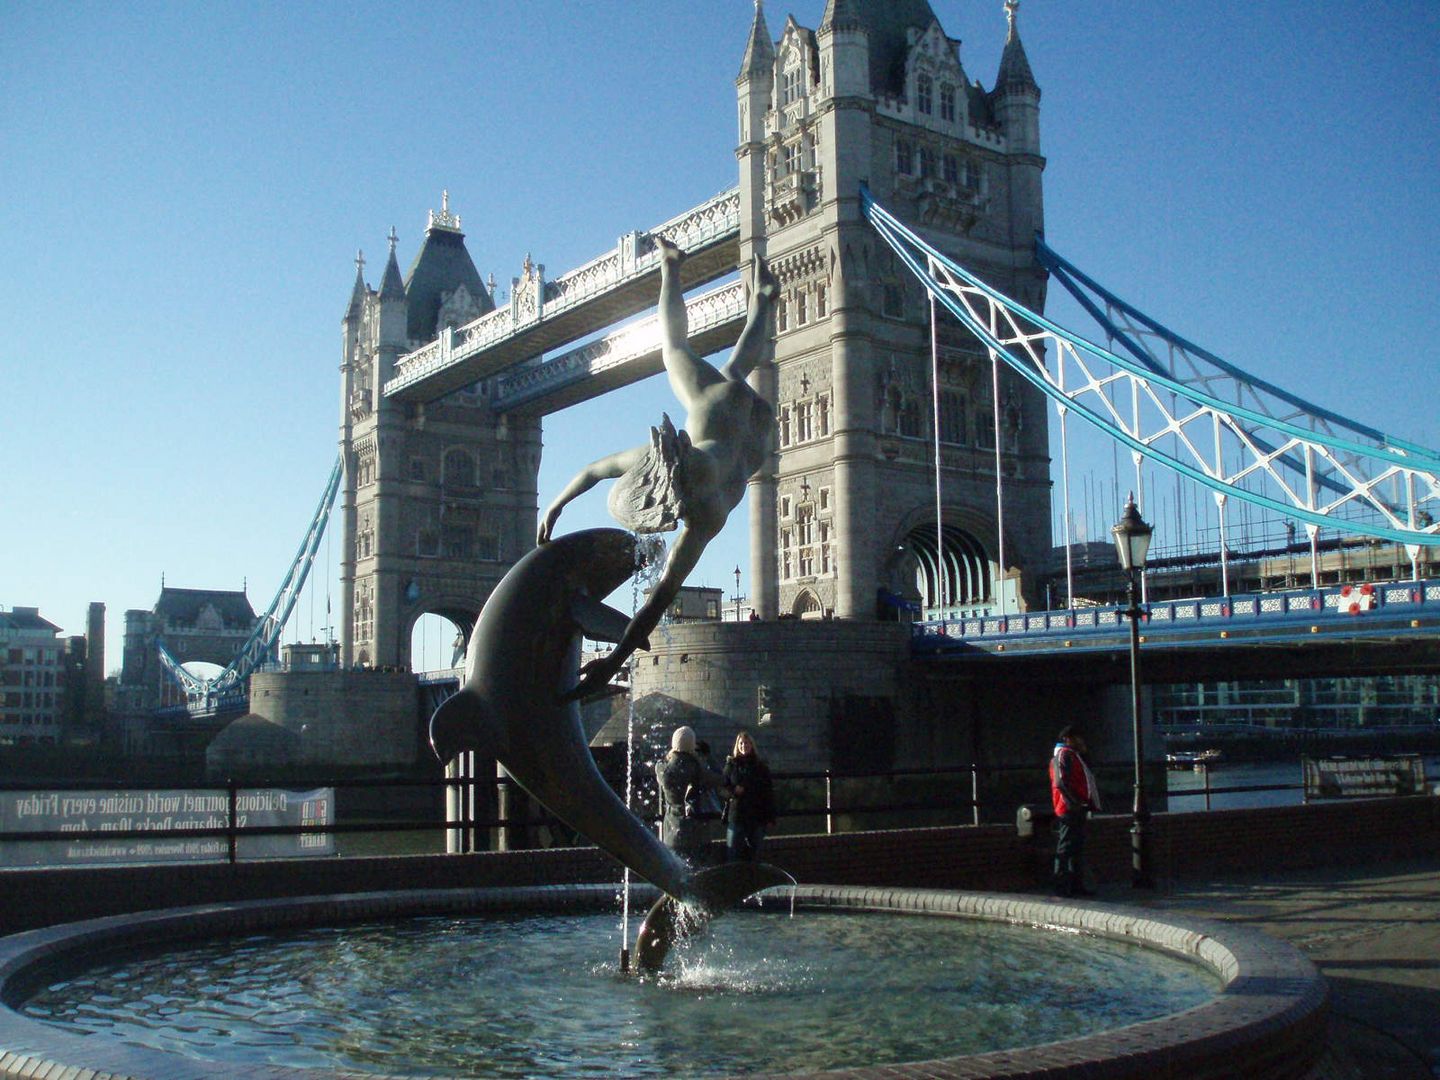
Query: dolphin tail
713	891
459	724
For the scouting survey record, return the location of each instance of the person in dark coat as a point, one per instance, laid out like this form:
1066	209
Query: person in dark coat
1073	794
751	808
684	780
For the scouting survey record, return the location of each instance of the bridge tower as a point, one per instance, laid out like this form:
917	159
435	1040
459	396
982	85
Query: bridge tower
845	519
439	499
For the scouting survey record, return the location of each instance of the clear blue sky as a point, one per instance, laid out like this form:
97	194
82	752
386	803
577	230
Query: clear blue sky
183	187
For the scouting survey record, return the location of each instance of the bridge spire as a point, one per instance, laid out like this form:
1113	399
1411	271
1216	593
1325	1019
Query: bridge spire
1015	73
759	59
392	286
357	294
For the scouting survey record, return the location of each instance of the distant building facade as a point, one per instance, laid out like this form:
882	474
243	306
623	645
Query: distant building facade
205	625
31	668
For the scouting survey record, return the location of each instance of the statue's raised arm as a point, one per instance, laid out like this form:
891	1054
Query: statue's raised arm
691	478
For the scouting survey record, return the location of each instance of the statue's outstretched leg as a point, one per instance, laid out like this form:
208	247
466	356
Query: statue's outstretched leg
688	373
750	346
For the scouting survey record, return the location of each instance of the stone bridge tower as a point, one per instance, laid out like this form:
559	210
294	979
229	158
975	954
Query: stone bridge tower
439	499
844	524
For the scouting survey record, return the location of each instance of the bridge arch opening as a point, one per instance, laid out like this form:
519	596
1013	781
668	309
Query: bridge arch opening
437	641
952	571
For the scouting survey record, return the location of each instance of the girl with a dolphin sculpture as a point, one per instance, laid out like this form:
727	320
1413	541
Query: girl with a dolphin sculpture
518	704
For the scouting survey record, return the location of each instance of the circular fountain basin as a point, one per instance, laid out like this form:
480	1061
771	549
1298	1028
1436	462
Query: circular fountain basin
403	983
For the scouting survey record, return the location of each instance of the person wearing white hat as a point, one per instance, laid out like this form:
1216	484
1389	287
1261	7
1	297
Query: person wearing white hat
683	777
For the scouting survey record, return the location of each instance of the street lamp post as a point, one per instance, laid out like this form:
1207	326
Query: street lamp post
737	592
1132	543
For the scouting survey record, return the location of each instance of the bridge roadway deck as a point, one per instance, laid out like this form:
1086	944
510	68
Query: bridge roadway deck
1277	635
615	286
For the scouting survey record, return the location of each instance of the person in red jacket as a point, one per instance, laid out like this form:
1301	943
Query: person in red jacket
1074	794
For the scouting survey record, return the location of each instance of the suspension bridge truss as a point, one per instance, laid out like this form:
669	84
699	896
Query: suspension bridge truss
1177	404
229	687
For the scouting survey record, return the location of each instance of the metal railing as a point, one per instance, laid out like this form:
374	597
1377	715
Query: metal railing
818	796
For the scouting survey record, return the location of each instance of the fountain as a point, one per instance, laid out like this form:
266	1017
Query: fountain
868	977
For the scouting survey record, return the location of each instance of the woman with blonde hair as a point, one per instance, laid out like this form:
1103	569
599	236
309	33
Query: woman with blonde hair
751	808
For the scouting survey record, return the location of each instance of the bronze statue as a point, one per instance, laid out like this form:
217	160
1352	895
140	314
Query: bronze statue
691	478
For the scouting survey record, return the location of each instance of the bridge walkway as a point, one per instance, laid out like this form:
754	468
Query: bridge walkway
544	315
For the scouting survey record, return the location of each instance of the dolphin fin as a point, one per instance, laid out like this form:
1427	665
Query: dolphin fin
714	891
598	621
459	724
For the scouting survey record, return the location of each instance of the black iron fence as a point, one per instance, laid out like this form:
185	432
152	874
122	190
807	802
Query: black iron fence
390	807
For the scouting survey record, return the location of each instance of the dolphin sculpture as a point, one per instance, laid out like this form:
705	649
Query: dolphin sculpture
523	658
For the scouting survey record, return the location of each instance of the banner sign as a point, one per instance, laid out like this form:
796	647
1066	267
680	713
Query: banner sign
1351	778
156	814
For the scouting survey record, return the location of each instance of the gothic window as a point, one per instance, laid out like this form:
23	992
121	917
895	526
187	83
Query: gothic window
805	524
417	469
487	547
820	300
785	425
791	84
803	430
822	415
952	416
951	165
947	102
427	543
784	508
904	157
927	163
826	556
911	425
985	425
924	94
892	301
781	316
459	468
785	566
824	501
806	562
458	541
802	307
970	175
794	159
365	537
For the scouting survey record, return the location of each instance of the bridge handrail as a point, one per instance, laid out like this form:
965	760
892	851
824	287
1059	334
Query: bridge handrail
717	217
1295	604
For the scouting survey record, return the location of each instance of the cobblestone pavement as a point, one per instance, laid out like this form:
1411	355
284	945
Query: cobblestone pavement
1374	932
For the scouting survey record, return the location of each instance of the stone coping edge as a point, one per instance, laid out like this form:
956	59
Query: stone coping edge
1268	1021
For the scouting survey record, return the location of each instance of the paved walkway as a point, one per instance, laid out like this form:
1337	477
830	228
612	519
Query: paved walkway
1373	931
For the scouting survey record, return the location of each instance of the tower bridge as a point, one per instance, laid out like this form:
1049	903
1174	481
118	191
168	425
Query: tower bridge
915	379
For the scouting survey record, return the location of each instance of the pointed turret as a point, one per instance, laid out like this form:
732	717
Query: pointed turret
1015	100
759	59
359	292
444	276
841	15
392	286
1015	74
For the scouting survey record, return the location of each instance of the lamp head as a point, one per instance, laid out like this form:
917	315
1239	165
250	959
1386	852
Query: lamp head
1132	537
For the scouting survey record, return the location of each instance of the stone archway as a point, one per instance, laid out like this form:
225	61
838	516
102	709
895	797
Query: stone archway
438	636
807	606
952	571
